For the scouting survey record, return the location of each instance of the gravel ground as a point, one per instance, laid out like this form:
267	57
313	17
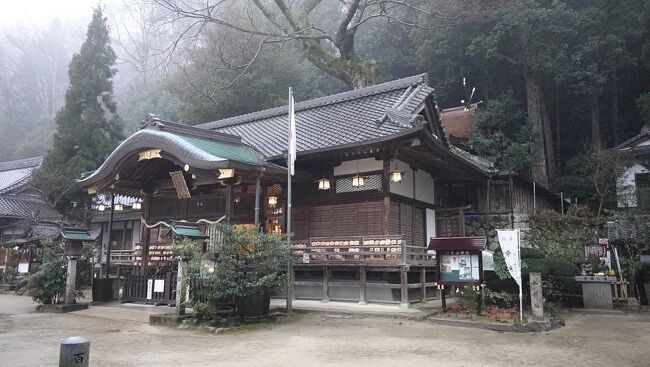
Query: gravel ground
120	337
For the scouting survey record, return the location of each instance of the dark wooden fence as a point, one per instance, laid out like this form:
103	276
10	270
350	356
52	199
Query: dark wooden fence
142	288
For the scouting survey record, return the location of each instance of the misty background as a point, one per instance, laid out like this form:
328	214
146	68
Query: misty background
588	61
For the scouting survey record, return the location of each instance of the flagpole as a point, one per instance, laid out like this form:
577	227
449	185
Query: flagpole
521	302
290	159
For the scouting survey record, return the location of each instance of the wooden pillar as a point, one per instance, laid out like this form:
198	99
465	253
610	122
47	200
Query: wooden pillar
362	285
385	224
110	236
228	202
443	297
146	232
258	193
423	283
325	295
404	287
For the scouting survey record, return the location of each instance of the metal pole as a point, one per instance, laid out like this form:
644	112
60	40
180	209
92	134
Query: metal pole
258	188
110	236
562	202
290	262
521	301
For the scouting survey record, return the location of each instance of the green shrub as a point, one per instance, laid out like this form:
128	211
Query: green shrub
46	284
248	262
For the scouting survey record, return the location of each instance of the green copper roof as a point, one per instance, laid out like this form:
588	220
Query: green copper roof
234	152
188	230
70	234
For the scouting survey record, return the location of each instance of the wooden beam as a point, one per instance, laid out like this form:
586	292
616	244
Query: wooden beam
362	285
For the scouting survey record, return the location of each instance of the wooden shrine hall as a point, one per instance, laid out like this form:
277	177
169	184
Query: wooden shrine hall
375	178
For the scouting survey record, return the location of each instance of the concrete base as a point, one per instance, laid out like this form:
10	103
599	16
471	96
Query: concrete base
167	319
61	308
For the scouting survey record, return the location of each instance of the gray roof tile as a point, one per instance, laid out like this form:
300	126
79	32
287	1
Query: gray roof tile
15	174
22	206
330	121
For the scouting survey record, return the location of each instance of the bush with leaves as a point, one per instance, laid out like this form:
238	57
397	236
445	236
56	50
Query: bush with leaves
47	284
248	262
11	267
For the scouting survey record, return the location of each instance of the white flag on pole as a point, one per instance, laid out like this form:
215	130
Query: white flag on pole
509	242
291	159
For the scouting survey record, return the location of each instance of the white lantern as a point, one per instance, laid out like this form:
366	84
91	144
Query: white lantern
358	181
101	207
273	200
119	207
323	184
396	177
137	205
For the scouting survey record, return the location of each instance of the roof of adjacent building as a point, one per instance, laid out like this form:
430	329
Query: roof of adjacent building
456	121
352	117
14	201
637	140
457	243
26	207
16	174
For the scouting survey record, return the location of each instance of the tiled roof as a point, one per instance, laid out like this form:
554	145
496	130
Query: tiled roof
21	163
20	206
340	119
15	174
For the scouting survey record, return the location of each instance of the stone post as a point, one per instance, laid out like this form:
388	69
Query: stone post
536	296
75	352
181	287
70	284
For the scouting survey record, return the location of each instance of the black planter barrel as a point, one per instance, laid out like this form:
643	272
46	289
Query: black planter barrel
102	289
255	306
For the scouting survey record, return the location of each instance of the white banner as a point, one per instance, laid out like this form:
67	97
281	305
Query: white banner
291	161
509	242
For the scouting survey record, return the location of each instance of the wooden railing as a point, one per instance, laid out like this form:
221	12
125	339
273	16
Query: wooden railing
379	250
122	257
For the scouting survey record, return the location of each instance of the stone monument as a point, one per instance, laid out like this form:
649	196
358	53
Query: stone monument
596	291
536	296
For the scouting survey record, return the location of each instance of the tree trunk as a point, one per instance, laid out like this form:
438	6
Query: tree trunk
346	67
615	117
541	145
595	122
558	137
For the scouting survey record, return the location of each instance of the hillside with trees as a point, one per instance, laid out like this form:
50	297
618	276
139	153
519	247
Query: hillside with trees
559	80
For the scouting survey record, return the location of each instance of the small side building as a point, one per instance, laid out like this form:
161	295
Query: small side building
24	215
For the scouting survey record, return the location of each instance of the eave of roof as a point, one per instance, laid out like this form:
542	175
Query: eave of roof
208	152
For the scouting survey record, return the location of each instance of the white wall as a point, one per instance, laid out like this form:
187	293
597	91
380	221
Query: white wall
626	186
424	183
358	165
431	223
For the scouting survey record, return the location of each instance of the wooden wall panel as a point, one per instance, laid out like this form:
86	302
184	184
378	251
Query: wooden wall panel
300	226
320	221
369	218
394	225
420	228
406	219
344	219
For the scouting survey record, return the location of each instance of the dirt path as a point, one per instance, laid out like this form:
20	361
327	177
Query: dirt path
30	339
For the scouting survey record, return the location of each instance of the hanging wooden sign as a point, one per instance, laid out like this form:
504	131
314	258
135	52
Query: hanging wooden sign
180	185
149	154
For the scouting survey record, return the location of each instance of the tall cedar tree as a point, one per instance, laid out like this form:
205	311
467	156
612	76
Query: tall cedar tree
88	126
